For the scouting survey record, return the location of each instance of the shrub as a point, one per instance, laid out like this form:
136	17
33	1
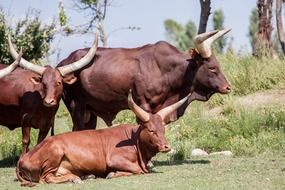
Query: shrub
244	132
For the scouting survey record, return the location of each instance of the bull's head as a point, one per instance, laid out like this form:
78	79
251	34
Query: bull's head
10	68
52	79
153	133
208	77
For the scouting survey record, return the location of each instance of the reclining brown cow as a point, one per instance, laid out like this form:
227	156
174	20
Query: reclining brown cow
118	151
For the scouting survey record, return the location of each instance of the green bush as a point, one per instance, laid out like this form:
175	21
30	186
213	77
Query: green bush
11	144
248	74
244	132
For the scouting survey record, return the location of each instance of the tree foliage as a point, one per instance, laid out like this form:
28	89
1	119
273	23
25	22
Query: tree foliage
29	34
253	25
88	2
218	23
62	15
97	14
182	36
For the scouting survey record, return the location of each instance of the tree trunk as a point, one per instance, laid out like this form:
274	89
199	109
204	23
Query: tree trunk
264	43
204	16
280	30
100	14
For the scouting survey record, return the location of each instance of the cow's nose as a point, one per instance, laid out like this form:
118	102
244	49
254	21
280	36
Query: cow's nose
49	102
166	148
226	89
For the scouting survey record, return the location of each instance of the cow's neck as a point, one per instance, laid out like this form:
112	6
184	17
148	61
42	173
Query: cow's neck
144	153
189	67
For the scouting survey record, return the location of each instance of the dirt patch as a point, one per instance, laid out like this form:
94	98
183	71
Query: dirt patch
263	98
252	101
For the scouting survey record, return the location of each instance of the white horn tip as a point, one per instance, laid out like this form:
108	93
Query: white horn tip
226	30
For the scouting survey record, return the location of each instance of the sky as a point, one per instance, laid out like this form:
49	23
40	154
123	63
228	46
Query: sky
149	15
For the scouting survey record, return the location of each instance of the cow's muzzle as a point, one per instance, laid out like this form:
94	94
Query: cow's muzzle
226	89
50	102
165	148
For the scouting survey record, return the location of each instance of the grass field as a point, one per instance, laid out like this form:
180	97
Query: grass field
264	172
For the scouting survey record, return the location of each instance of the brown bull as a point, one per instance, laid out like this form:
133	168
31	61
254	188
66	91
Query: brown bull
30	97
159	74
118	151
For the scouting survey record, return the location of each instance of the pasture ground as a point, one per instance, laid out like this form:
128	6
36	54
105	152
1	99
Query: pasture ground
265	171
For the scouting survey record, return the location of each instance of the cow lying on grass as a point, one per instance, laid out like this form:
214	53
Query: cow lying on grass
112	152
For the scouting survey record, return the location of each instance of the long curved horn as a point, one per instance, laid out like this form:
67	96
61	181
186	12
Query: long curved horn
83	61
12	67
139	112
24	63
204	41
169	109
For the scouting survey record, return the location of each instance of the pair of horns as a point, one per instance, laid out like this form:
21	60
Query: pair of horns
204	41
12	67
144	116
64	70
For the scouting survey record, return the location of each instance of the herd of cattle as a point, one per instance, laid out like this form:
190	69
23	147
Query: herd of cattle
157	82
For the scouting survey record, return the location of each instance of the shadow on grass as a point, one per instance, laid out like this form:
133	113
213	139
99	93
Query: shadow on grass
180	162
9	162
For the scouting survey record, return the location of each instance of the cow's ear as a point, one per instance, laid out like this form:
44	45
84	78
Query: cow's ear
69	79
193	53
36	79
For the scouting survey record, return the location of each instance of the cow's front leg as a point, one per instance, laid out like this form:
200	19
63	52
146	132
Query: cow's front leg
91	122
63	178
42	135
77	109
118	174
25	139
123	167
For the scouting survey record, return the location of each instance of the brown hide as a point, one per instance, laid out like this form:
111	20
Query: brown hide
21	104
117	151
158	74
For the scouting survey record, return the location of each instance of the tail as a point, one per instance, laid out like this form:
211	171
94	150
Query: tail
23	181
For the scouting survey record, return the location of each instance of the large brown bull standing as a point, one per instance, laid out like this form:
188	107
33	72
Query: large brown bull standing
159	74
30	97
118	151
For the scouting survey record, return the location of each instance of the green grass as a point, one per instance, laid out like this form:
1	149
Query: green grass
248	74
261	172
243	131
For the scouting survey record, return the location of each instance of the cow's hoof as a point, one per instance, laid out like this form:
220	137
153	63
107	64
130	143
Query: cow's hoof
110	175
77	181
86	177
150	165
